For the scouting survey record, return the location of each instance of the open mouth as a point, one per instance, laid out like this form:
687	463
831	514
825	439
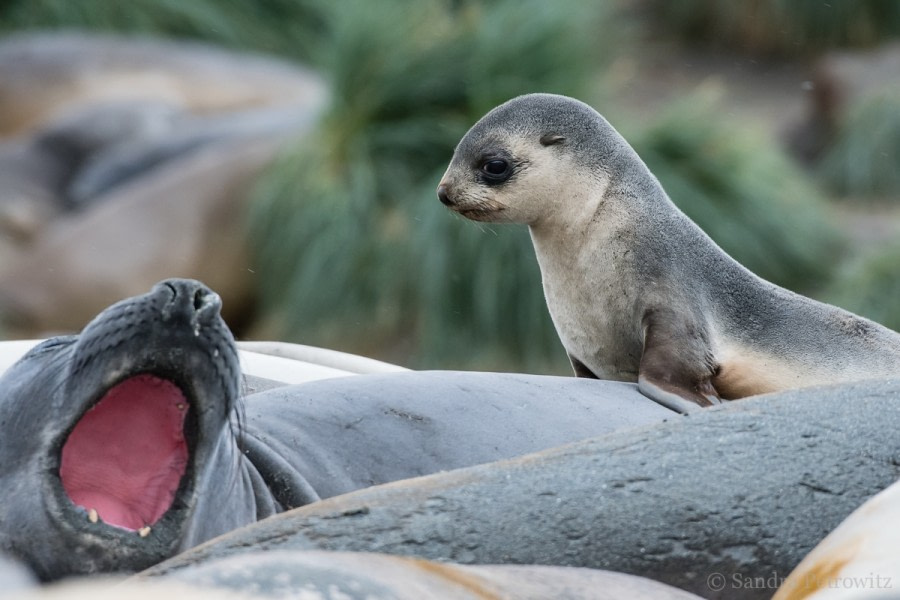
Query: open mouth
124	460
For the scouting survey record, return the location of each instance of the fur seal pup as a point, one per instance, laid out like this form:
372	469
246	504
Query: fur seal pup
636	290
129	442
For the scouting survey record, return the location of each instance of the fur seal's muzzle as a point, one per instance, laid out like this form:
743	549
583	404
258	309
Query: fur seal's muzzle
443	194
477	209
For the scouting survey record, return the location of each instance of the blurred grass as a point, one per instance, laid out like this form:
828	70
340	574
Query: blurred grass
743	191
870	286
863	161
292	28
779	27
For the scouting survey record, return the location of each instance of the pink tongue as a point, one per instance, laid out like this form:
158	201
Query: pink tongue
126	455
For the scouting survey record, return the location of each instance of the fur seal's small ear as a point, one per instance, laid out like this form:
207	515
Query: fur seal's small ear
550	139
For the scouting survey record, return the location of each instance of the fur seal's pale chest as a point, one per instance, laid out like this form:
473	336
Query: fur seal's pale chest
591	325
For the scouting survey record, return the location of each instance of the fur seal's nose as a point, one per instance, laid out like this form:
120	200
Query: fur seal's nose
443	194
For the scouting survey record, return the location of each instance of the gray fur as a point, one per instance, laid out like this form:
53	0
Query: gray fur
637	291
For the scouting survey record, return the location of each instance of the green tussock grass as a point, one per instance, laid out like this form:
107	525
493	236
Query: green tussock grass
780	27
292	28
741	189
864	159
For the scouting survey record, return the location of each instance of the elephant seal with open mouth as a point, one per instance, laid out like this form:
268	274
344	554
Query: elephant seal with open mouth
128	443
114	441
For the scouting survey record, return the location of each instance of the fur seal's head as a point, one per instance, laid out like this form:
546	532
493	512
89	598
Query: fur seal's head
525	157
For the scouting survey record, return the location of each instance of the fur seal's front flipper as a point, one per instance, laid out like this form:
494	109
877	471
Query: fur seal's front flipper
670	399
676	367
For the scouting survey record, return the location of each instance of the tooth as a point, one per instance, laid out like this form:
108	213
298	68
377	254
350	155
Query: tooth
144	531
93	517
179	406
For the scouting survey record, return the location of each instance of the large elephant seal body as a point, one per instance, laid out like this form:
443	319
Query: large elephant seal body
377	576
743	490
122	221
45	74
125	444
110	132
141	232
314	575
636	290
37	171
341	435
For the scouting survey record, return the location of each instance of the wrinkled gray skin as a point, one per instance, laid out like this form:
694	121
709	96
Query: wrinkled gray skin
636	290
744	490
343	434
291	445
366	576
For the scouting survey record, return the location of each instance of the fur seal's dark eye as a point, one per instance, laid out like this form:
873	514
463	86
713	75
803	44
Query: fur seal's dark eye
495	168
